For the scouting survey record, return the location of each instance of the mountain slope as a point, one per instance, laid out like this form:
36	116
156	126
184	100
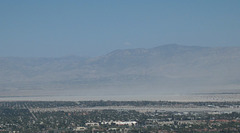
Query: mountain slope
163	69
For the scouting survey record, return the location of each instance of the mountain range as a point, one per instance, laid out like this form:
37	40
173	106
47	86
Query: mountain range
165	69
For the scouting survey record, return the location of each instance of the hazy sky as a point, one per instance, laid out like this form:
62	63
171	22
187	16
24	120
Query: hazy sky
53	28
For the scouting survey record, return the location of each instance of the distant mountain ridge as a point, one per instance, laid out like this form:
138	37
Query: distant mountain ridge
164	69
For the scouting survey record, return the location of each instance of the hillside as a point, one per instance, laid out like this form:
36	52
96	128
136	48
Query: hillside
159	70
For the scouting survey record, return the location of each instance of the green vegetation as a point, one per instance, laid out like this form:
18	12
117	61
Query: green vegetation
28	117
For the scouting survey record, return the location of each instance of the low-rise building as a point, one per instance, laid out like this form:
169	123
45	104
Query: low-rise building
92	124
80	129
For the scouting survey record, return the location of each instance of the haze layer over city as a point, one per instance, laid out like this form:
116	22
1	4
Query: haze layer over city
104	66
119	50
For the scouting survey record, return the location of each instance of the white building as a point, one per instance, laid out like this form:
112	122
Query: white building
92	124
130	123
80	129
